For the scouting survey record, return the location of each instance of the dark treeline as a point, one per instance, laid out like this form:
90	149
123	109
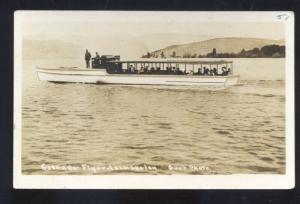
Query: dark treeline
267	51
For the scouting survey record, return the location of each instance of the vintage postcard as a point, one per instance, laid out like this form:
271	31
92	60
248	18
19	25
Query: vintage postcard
153	100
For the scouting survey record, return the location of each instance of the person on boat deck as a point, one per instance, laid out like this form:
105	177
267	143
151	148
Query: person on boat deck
97	56
96	59
87	58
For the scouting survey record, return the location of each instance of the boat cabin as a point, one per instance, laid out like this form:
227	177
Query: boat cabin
114	65
104	61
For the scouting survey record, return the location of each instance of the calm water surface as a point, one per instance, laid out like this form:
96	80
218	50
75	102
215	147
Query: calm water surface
237	130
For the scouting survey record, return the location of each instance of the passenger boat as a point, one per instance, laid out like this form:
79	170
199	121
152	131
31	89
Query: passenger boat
112	70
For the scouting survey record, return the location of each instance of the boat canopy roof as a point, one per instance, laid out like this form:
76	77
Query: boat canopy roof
172	61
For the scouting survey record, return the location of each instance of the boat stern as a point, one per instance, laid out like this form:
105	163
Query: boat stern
232	80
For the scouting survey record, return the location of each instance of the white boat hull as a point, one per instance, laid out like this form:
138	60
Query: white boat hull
100	76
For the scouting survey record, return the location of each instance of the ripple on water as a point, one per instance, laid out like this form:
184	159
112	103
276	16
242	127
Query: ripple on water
266	159
215	128
223	132
151	131
265	169
142	147
55	141
268	95
162	125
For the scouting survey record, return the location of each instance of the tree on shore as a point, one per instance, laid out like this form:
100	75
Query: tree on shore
242	52
194	55
270	50
148	55
213	53
265	51
173	54
186	55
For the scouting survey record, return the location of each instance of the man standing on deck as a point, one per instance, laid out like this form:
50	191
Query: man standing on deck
87	58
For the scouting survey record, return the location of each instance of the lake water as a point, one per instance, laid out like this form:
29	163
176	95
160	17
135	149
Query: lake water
85	126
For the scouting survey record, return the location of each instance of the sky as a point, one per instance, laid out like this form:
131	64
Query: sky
227	24
256	30
140	32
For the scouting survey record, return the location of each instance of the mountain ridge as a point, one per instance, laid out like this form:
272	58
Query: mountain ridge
222	45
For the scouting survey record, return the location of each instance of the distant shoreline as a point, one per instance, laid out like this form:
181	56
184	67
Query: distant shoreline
212	57
79	59
221	48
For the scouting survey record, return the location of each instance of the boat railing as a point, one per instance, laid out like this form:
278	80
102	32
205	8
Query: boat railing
114	65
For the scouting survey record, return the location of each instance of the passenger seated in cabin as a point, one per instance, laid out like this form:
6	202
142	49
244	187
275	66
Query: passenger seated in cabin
199	71
129	69
178	71
205	71
146	69
173	70
215	71
152	70
223	70
168	70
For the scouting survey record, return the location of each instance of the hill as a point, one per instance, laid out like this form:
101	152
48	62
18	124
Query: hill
45	49
156	41
222	45
126	45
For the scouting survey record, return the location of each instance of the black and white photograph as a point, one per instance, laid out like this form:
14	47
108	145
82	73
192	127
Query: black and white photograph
153	99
